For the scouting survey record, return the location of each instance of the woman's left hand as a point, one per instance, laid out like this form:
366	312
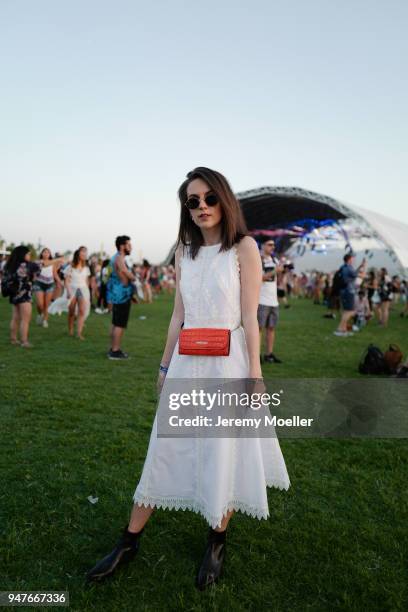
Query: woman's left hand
160	381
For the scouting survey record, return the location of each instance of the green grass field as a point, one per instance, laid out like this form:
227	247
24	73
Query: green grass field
75	424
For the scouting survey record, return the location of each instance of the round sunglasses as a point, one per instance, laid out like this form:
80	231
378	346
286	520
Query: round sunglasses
194	201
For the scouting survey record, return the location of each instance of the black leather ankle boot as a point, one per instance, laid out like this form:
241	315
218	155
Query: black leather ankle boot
214	555
124	551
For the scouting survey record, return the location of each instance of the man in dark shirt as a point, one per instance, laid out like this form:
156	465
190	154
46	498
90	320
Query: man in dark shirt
348	291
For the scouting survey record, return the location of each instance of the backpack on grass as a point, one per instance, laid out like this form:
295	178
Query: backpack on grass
392	358
372	361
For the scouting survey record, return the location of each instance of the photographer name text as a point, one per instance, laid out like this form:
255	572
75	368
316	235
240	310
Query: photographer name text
251	422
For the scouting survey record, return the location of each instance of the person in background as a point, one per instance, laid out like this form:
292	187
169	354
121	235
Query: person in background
363	312
309	285
371	285
119	293
318	287
330	298
59	285
167	279
289	279
295	285
396	284
77	286
375	298
155	280
103	277
171	279
20	271
348	292
303	281
44	284
386	291
3	261
333	297
138	295
268	308
404	298
93	272
282	280
147	289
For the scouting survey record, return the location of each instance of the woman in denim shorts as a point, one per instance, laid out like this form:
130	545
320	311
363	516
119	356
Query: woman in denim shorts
44	285
21	271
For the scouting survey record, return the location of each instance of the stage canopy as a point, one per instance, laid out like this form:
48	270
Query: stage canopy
315	230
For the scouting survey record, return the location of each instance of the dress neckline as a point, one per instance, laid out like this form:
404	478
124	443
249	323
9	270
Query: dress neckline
210	246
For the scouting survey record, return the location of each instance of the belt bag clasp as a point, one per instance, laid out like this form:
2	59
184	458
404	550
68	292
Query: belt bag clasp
205	341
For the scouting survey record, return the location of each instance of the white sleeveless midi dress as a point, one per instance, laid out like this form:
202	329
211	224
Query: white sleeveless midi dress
211	476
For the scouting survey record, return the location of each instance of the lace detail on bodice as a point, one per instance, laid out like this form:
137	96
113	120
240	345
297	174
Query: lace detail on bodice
237	260
210	288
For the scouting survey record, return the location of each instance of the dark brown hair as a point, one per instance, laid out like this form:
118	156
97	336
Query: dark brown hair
233	226
42	252
16	258
75	259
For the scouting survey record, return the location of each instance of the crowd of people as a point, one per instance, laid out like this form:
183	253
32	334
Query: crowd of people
361	294
380	289
355	295
81	285
78	287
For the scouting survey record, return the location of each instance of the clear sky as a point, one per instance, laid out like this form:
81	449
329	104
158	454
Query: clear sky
105	105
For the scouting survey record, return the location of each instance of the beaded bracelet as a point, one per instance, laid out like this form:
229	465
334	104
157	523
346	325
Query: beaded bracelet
163	368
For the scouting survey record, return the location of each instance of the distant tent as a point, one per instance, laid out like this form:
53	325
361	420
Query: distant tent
392	232
295	216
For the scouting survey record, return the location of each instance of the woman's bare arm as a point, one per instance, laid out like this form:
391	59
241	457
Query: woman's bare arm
56	277
251	280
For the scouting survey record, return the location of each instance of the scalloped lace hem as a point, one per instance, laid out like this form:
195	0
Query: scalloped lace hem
182	503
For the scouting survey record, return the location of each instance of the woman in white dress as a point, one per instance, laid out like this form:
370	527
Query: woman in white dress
78	293
218	280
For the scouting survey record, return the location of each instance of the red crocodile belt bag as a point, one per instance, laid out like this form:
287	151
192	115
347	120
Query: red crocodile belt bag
205	341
